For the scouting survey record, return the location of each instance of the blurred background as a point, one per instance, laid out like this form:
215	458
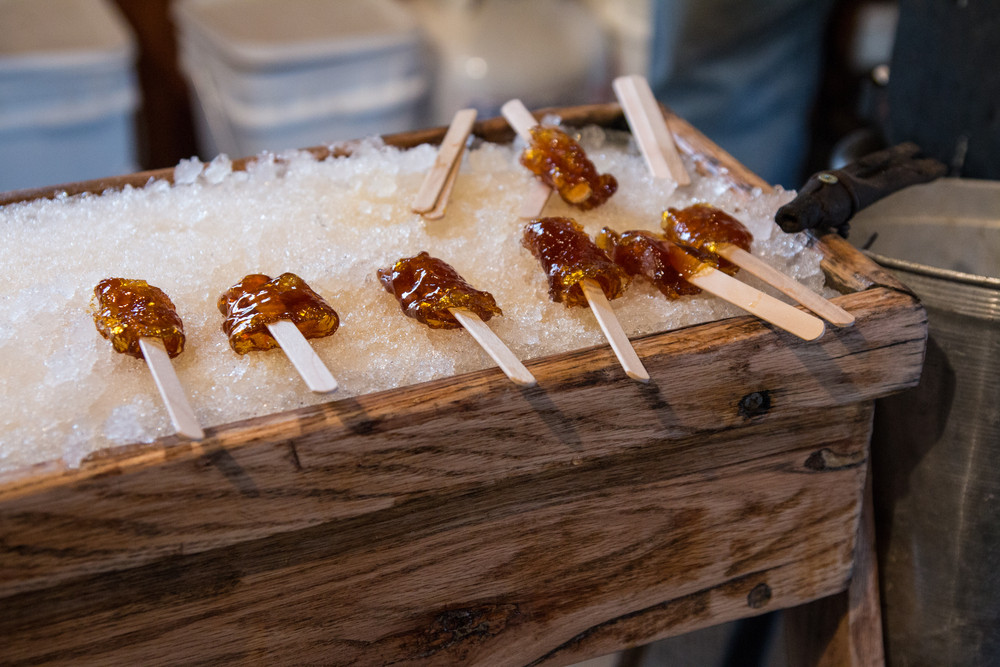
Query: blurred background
93	88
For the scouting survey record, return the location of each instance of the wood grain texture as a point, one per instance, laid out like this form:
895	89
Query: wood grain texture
296	469
865	609
848	270
368	527
710	159
846	628
544	565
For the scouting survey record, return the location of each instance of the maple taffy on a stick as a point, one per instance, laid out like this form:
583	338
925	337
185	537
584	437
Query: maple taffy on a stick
718	238
559	163
676	272
580	274
646	255
141	321
432	292
261	314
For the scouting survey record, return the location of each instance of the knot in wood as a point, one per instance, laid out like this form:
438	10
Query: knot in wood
456	628
759	596
827	460
754	404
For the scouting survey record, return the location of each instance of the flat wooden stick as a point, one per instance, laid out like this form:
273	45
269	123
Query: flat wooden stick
613	331
519	117
491	343
534	202
302	355
437	212
785	284
434	191
650	128
755	302
169	385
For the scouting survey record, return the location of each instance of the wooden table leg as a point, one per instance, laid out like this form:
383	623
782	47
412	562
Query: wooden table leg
843	629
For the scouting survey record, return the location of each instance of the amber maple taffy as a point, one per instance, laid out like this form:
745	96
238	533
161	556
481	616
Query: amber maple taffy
261	313
432	198
676	273
646	255
141	321
573	261
522	121
558	162
710	230
432	292
649	128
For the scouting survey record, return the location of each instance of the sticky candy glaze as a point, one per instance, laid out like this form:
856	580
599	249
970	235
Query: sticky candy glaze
567	256
257	300
646	254
684	262
561	163
426	287
702	228
127	310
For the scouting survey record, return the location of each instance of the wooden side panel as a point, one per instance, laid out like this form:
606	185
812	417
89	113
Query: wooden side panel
353	457
472	522
846	628
547	565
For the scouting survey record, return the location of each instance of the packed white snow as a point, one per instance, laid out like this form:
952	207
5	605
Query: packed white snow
333	222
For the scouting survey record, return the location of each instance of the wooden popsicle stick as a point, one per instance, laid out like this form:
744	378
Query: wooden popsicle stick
785	284
650	128
491	343
302	355
519	118
169	385
613	331
755	302
437	212
435	187
522	121
534	202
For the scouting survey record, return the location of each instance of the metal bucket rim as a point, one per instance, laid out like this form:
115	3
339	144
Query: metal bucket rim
934	272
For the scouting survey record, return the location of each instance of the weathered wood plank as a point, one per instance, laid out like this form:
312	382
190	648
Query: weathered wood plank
350	457
846	628
848	270
548	564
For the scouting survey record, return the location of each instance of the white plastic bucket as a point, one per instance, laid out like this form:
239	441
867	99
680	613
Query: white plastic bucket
271	76
67	93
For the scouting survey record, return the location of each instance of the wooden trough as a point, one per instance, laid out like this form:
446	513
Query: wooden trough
469	521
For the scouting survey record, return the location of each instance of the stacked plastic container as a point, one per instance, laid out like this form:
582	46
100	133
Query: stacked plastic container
67	93
546	53
271	75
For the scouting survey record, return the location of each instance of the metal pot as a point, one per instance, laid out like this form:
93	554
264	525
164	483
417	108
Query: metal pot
936	448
